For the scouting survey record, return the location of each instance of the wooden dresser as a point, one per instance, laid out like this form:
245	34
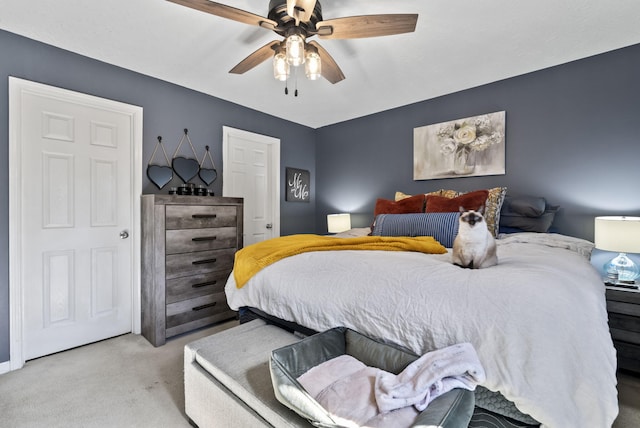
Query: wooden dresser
623	306
188	248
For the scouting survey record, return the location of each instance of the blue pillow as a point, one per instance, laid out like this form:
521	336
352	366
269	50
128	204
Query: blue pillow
442	226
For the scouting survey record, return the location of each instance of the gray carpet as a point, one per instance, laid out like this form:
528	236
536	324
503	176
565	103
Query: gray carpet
120	382
126	382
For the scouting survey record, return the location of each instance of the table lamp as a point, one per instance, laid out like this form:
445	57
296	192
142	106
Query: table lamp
620	234
337	223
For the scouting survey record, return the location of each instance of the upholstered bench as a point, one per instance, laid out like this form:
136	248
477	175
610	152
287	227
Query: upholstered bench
228	384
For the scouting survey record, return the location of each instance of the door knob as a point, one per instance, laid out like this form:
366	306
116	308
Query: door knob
269	226
124	234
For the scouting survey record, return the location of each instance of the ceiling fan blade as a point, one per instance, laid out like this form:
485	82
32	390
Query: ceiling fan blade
224	11
300	10
355	27
330	69
256	58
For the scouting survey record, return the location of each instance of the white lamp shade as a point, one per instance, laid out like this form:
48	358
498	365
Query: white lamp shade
337	223
617	233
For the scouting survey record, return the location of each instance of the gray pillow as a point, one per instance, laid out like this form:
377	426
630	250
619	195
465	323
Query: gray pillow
527	206
530	224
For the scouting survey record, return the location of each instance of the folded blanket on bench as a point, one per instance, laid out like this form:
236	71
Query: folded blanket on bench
358	395
430	376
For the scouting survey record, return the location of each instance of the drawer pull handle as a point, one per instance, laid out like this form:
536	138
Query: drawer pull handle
203	262
203	216
203	284
205	238
201	307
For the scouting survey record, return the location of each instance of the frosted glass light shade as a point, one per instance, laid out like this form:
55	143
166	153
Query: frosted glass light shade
337	223
280	66
295	50
313	65
620	234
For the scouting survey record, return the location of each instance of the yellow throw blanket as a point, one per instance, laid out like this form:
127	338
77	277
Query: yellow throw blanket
249	260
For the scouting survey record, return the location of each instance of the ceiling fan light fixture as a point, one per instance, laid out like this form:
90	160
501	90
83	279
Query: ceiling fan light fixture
296	21
280	66
295	50
312	65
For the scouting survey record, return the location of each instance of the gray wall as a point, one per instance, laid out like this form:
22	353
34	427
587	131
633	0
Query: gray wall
571	136
168	109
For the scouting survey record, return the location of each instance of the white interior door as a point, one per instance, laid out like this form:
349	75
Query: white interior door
77	259
251	170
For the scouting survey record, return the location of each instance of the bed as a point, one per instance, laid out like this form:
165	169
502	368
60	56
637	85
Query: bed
537	320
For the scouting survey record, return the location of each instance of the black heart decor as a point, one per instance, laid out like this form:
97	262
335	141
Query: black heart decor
208	175
159	175
185	168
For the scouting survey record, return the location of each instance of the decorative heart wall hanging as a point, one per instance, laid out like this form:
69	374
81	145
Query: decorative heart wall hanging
208	175
185	168
159	175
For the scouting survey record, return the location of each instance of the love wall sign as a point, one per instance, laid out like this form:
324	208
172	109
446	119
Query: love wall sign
298	185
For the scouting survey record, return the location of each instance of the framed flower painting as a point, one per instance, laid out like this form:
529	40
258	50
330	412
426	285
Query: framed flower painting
467	147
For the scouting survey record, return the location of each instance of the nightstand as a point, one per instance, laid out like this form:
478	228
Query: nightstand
623	306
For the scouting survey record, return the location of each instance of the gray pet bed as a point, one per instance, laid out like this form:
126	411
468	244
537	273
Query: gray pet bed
453	409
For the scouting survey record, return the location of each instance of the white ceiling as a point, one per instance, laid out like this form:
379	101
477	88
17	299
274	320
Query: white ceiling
458	44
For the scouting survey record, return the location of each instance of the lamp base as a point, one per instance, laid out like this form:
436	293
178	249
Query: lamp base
622	268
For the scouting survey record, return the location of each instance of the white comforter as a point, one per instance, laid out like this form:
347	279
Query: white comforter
537	320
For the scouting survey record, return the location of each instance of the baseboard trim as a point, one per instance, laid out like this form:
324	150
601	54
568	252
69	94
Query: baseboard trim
5	367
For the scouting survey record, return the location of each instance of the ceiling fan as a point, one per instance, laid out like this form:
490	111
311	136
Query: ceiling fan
297	21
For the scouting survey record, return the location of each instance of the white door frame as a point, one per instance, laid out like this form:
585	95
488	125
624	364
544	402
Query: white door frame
274	156
16	309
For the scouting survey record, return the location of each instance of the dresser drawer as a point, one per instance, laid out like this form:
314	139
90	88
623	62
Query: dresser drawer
188	287
628	355
623	308
200	262
188	240
200	216
198	308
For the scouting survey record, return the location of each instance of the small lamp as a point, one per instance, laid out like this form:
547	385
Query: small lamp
620	234
337	223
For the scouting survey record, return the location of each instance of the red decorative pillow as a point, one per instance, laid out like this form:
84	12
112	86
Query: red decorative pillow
414	204
469	201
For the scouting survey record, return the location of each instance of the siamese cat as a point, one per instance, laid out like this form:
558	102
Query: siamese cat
474	247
